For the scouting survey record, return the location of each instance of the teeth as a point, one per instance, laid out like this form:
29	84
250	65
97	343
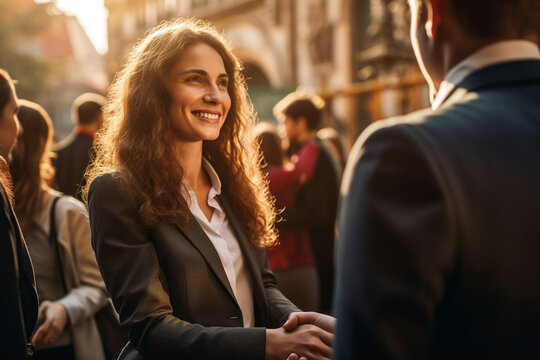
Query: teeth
207	115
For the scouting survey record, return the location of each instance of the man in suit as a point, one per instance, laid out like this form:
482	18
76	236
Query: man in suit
73	153
439	235
315	204
18	299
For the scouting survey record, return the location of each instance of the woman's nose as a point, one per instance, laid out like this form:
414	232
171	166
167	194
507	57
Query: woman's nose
210	97
213	94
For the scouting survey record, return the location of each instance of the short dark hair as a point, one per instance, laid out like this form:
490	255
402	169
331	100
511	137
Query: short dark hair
87	108
6	84
497	18
304	108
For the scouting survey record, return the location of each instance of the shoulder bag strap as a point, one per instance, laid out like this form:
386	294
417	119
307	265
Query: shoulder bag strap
53	239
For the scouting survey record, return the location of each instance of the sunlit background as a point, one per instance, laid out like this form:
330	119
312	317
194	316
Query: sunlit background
92	16
354	53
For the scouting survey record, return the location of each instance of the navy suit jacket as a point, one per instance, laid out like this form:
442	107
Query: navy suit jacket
439	245
168	284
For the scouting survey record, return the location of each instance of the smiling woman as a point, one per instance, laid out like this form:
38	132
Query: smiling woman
180	211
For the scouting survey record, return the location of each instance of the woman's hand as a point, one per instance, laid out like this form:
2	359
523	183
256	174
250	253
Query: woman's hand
323	321
53	318
308	341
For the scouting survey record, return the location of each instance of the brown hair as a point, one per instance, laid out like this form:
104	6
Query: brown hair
31	163
495	18
5	179
270	144
6	88
137	135
6	92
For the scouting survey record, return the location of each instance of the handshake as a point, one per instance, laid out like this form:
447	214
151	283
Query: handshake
304	336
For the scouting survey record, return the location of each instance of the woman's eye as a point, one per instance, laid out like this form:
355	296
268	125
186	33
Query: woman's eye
223	83
193	78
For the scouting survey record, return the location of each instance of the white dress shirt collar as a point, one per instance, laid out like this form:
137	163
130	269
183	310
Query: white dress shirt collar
503	51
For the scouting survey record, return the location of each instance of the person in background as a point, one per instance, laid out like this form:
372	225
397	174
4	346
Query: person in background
292	259
68	281
18	296
73	153
439	223
180	211
315	205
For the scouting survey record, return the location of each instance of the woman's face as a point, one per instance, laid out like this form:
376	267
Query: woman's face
200	101
9	126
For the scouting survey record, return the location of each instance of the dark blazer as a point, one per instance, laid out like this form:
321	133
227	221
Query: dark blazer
168	284
73	156
439	248
18	295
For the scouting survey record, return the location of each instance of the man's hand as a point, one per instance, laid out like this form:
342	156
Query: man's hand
307	340
296	357
54	319
325	322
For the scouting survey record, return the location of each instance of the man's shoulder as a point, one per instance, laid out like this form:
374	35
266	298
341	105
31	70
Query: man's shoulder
463	116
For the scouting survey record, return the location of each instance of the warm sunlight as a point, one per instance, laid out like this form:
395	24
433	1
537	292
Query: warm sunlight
93	17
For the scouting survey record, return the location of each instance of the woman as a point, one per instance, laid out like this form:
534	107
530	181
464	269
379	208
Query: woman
179	210
69	285
18	299
292	260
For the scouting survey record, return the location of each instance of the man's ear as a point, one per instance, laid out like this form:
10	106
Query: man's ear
435	15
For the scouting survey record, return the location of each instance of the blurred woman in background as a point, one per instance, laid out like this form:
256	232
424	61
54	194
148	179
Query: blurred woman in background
57	232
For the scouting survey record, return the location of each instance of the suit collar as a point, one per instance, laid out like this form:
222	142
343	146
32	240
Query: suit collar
509	73
196	235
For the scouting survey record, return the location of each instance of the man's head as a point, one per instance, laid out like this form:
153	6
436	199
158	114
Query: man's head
87	110
301	115
302	119
9	124
444	32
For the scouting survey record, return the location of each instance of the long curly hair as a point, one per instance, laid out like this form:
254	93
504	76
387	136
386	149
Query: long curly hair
31	162
137	137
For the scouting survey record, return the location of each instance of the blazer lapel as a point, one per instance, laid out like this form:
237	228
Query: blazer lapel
196	235
261	316
22	260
